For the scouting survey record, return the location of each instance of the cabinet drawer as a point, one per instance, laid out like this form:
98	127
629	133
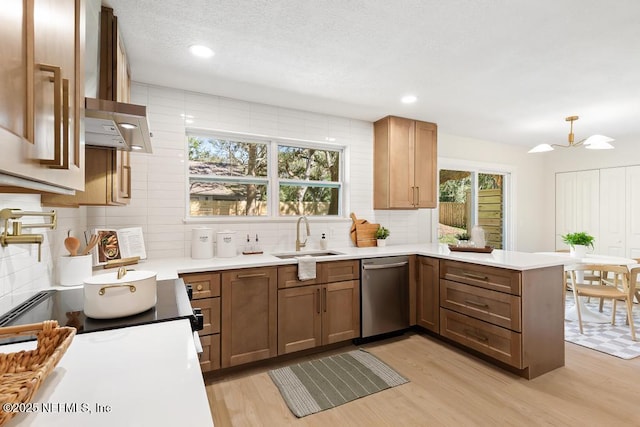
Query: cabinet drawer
211	314
288	277
205	285
497	279
494	307
338	271
499	343
210	357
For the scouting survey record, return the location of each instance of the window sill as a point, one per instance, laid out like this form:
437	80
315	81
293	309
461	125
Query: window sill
269	220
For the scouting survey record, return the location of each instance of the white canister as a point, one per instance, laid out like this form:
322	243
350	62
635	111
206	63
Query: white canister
74	270
202	243
226	244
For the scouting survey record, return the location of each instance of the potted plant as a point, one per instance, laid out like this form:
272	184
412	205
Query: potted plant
381	235
463	238
578	242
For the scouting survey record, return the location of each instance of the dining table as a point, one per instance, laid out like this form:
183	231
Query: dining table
589	259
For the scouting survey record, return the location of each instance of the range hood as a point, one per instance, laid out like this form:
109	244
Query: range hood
117	124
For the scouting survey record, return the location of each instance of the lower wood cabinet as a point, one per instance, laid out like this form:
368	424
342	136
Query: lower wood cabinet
428	293
313	315
249	315
206	296
515	317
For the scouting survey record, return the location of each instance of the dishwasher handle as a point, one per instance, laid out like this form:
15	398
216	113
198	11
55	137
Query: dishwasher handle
383	266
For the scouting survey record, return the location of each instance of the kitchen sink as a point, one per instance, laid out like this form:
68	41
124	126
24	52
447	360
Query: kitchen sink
312	253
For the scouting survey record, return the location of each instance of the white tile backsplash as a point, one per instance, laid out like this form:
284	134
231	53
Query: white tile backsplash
21	274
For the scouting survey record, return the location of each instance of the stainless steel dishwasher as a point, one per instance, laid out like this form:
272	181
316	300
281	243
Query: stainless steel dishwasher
384	290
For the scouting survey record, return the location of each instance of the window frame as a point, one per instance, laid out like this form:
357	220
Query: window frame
509	173
272	179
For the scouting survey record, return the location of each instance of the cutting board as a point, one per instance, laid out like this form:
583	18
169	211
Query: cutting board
355	222
366	235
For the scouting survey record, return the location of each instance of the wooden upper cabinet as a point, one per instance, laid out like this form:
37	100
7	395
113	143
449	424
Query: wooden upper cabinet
405	164
108	181
13	73
41	91
115	75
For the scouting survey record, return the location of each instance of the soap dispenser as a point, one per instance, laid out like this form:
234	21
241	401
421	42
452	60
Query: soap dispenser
324	243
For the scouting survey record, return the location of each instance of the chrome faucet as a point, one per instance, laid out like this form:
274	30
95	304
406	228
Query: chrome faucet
300	244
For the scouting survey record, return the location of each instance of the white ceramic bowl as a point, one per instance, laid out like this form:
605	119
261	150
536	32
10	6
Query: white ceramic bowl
107	297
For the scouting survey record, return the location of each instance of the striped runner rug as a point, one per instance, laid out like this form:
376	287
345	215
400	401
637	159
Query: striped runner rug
316	385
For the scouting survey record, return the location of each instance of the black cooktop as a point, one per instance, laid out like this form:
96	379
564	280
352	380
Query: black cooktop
66	306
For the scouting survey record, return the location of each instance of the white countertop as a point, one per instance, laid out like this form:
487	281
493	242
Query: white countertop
138	376
170	268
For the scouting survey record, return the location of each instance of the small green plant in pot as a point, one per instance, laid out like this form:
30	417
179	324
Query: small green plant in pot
578	242
463	239
463	236
381	235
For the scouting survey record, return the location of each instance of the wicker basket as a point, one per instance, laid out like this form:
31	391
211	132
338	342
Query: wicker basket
21	373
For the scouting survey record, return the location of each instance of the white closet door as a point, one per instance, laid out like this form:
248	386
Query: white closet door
633	211
613	210
588	204
565	206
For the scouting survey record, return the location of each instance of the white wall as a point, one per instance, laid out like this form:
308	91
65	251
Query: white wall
533	228
626	153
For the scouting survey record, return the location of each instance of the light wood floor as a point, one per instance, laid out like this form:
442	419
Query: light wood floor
449	388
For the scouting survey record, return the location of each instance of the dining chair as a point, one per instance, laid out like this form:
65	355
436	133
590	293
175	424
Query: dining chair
637	291
620	285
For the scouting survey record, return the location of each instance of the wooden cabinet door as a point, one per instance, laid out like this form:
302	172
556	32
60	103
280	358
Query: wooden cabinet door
41	88
426	164
249	315
13	73
401	164
58	71
122	179
299	318
106	169
428	298
340	311
405	164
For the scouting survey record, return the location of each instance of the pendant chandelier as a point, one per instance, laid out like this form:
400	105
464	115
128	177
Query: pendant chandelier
594	142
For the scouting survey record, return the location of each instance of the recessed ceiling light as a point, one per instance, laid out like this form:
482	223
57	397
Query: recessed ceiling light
409	99
201	51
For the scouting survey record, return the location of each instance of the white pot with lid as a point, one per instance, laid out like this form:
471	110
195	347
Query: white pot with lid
226	244
107	297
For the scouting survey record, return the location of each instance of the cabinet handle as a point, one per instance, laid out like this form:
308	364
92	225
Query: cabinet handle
57	113
477	304
473	334
413	196
128	194
324	299
318	300
417	196
475	276
199	287
249	276
65	125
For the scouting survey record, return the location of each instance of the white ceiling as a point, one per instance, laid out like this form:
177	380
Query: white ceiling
500	70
